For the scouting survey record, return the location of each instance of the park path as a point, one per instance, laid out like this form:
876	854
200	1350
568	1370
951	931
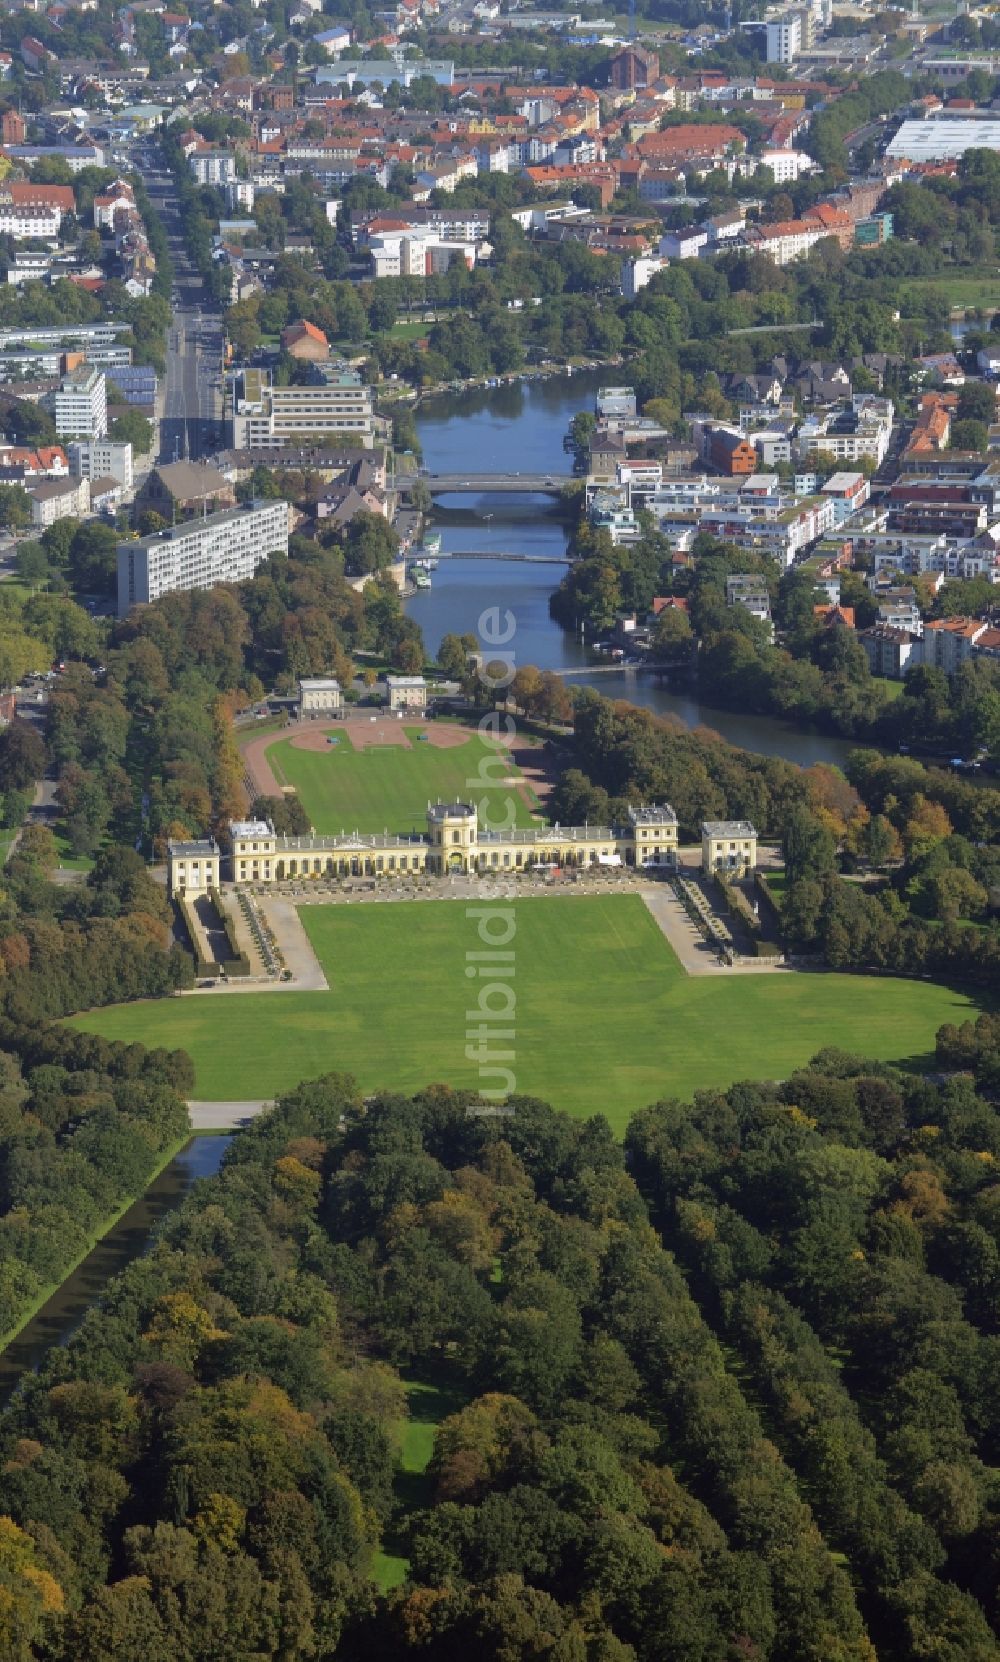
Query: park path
696	955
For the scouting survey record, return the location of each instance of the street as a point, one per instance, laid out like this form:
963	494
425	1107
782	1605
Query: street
192	392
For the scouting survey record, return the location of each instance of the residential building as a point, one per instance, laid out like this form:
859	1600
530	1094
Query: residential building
53	499
948	642
267	417
848	492
319	695
224	548
638	272
731	451
213	167
889	650
728	845
81	404
406	692
304	341
101	459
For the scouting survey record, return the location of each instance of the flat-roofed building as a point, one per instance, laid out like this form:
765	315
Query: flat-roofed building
192	867
268	417
728	845
82	404
224	548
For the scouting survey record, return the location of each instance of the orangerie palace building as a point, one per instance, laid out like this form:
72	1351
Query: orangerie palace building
453	843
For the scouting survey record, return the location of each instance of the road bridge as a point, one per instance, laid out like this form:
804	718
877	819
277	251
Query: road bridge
503	554
481	484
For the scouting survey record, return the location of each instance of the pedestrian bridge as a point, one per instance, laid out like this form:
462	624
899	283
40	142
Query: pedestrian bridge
481	484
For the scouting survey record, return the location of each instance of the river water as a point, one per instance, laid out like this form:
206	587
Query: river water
131	1236
520	429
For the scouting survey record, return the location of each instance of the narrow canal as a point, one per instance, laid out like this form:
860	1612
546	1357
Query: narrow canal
130	1237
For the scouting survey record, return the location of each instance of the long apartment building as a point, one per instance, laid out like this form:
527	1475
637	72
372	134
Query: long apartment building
222	548
267	417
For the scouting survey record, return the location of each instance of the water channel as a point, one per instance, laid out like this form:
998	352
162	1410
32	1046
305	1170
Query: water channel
520	429
131	1236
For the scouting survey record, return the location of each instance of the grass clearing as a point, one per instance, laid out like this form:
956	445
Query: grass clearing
606	1019
388	787
429	1404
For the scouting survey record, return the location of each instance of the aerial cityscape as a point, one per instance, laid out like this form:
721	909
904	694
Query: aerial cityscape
500	826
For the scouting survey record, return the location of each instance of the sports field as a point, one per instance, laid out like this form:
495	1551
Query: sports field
388	787
606	1020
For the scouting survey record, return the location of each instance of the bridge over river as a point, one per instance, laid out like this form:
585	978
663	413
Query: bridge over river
481	484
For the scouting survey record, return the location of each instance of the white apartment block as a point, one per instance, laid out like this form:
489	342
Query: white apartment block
81	409
784	39
54	499
266	417
28	221
213	167
223	548
417	253
101	459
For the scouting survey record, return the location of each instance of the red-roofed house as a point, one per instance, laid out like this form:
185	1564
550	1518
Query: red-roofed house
303	340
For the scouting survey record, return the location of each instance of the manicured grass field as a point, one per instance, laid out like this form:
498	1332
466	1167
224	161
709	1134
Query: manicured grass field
389	787
606	1019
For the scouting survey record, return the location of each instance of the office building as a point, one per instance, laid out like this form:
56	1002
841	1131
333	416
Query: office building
222	548
266	417
101	459
82	404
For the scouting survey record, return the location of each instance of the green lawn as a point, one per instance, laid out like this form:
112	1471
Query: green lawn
389	787
893	689
429	1404
969	287
606	1020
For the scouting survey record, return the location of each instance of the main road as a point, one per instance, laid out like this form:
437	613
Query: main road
192	397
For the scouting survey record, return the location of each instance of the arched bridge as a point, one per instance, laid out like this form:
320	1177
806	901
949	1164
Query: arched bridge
480	484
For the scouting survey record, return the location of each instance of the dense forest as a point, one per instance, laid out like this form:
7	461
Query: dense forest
888	865
83	1123
726	1392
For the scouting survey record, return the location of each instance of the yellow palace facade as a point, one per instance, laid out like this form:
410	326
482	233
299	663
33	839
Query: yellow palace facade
453	843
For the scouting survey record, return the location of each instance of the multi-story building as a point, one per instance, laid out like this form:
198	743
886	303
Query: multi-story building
53	499
223	548
728	845
101	459
889	650
193	867
454	842
848	492
266	417
948	642
634	68
213	167
31	220
81	405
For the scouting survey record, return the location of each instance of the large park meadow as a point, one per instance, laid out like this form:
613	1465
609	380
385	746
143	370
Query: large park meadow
606	1019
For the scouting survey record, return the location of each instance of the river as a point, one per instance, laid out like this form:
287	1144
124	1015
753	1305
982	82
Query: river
520	429
131	1236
